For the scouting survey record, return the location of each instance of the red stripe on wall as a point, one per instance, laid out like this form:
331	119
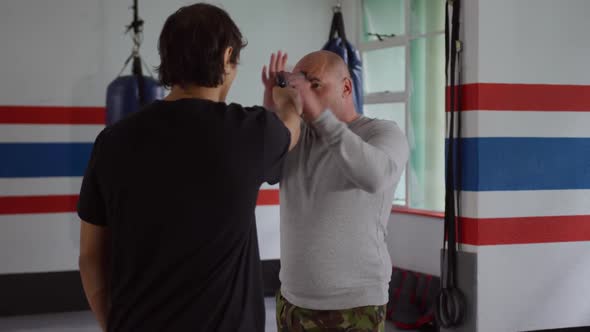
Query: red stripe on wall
497	231
524	97
68	203
417	212
525	230
268	197
476	96
51	115
38	204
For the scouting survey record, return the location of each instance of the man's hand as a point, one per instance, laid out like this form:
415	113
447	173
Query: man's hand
287	99
277	64
311	104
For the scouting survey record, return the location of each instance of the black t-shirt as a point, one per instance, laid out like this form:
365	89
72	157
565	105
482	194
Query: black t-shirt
177	185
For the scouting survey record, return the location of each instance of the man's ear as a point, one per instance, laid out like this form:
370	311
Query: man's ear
227	58
347	88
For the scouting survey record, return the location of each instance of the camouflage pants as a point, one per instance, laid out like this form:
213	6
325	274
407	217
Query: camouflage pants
291	318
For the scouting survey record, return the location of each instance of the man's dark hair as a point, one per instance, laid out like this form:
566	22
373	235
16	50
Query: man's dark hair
192	45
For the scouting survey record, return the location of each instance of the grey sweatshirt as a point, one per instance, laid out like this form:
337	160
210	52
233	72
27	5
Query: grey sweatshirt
336	196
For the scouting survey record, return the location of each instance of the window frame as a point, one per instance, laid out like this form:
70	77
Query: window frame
388	97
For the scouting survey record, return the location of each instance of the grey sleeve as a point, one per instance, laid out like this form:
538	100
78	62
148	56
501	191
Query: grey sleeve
372	165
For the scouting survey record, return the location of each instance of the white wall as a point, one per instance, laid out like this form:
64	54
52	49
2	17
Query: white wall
65	52
545	285
415	241
533	286
534	41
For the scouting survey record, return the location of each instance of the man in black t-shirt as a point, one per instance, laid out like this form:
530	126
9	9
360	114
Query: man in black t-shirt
168	235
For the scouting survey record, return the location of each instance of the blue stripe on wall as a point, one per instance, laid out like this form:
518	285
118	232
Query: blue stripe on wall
505	163
490	164
43	159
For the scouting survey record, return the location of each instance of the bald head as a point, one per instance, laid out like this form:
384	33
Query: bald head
330	81
323	63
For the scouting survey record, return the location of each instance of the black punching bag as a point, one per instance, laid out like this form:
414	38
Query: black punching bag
127	94
338	44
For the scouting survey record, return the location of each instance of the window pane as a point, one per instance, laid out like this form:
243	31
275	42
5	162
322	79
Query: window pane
383	17
385	70
427	16
427	124
397	113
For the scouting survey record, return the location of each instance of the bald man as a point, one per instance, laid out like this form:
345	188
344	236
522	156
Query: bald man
336	194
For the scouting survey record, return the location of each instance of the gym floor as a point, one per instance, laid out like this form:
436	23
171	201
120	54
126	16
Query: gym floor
83	321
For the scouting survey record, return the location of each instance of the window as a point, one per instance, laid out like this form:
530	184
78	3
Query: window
402	44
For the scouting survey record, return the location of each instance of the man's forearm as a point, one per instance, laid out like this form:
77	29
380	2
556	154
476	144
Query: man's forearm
372	165
94	276
292	121
99	303
267	101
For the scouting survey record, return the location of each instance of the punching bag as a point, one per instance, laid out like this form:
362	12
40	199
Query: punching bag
338	44
128	94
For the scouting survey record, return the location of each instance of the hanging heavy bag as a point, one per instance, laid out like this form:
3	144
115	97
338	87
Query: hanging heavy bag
127	94
338	44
